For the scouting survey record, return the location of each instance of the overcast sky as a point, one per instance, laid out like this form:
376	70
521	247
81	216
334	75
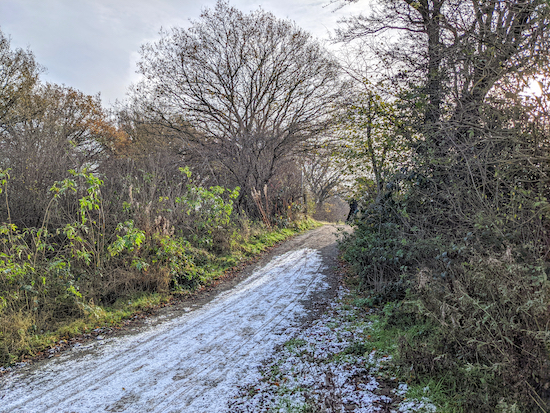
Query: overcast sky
93	45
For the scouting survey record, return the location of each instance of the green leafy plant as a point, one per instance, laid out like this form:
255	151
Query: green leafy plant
209	211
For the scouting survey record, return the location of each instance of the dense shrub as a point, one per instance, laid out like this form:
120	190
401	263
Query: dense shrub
492	319
463	229
55	273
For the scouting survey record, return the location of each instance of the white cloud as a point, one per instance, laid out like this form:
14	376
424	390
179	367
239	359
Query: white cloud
93	44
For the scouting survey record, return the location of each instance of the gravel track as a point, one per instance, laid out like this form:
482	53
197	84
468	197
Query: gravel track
195	361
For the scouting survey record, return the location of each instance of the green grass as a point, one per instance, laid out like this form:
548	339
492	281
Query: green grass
437	391
384	331
260	242
294	344
286	405
94	316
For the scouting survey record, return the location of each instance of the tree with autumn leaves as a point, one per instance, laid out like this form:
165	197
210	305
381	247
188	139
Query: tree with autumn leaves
45	130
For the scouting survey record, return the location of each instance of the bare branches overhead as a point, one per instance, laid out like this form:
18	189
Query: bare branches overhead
456	50
232	74
252	86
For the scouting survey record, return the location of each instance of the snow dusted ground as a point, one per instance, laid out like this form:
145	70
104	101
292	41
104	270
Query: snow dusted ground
327	367
245	351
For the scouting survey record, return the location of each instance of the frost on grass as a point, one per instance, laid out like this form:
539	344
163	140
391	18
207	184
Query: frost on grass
328	367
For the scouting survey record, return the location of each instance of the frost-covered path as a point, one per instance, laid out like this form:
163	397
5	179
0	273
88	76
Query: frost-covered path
192	363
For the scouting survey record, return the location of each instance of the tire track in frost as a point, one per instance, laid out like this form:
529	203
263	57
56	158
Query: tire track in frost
188	361
143	350
280	316
142	347
209	360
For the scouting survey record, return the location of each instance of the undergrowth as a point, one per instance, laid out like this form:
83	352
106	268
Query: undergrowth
24	335
58	281
467	322
457	244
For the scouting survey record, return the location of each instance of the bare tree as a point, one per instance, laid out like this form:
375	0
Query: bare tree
253	86
322	174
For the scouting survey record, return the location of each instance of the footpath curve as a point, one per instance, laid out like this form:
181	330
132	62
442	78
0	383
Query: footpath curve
192	362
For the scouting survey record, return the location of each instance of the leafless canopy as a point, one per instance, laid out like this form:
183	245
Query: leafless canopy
252	86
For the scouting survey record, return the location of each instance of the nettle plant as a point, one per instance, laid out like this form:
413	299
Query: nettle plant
20	282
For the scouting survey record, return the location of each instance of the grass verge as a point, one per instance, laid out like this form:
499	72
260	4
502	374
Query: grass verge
386	327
